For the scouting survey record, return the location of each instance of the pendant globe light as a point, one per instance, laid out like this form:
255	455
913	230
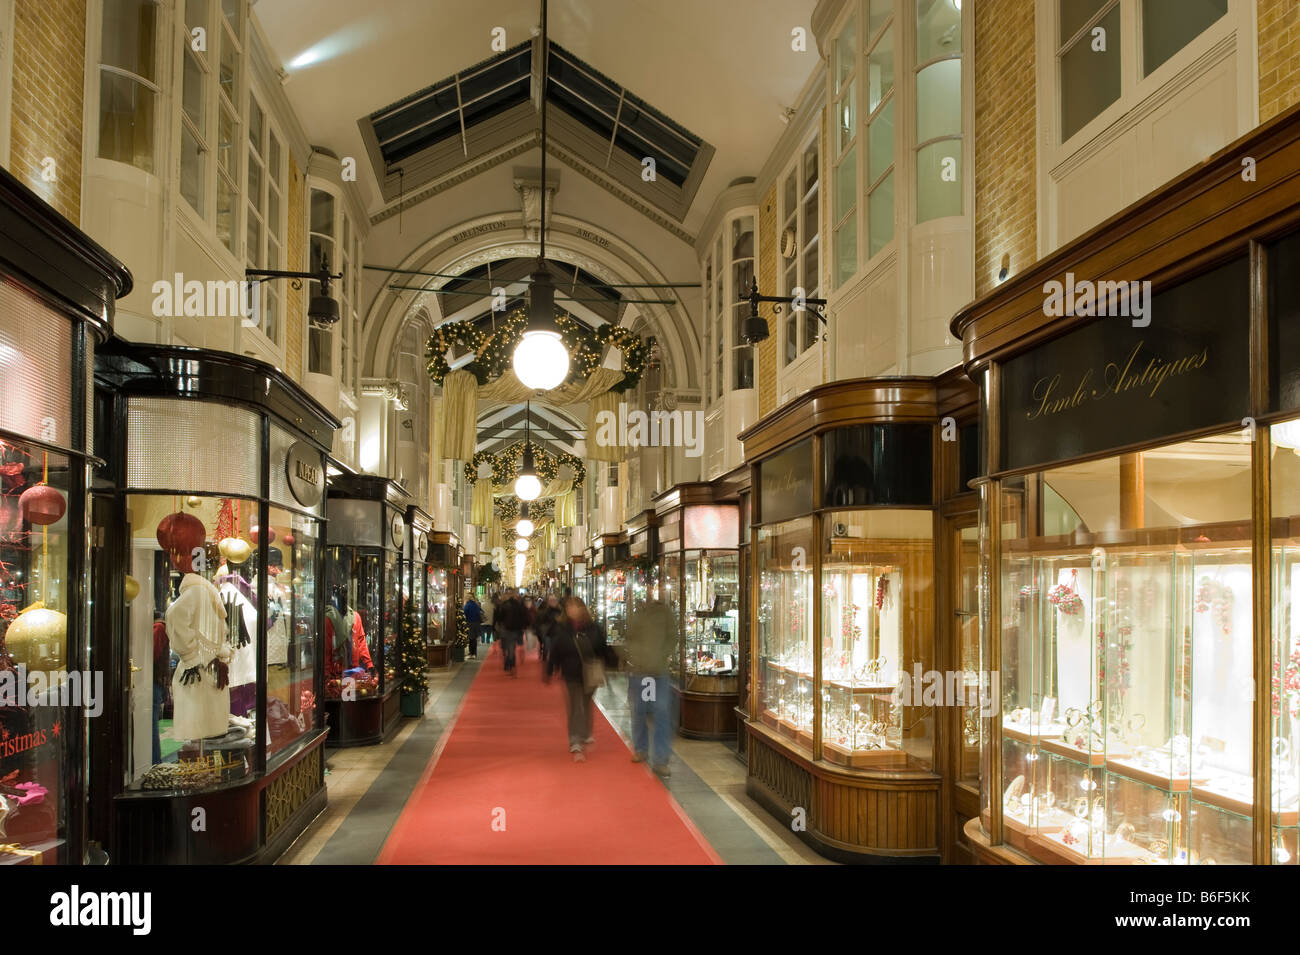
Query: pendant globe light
540	361
524	526
528	486
521	544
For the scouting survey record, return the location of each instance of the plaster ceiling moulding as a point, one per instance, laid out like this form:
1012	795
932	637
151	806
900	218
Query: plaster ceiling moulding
528	183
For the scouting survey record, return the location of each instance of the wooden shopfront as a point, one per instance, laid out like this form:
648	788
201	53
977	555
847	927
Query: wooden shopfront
1140	527
851	487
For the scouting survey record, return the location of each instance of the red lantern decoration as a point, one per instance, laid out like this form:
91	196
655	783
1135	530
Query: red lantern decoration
42	504
179	534
270	534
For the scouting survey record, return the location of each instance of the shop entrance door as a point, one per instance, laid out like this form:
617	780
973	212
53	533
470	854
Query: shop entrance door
961	781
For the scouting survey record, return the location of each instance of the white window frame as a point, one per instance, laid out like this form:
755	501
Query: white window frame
272	290
794	218
835	154
157	137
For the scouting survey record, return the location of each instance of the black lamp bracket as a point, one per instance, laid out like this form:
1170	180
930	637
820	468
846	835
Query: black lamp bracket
297	277
779	304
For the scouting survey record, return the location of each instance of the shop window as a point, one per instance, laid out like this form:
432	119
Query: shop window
1285	477
742	276
938	110
877	591
128	82
1284	324
1127	655
784	668
875	464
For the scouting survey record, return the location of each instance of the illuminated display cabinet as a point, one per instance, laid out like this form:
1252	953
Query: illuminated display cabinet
699	578
57	295
212	500
365	593
1139	536
848	578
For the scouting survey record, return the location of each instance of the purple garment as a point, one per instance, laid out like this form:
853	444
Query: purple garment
243	699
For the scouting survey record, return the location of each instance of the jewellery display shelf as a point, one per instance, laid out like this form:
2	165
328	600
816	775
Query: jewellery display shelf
367	535
58	292
211	501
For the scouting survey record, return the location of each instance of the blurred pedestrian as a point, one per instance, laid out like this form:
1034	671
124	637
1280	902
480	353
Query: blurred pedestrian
581	654
548	617
512	620
489	618
474	617
651	641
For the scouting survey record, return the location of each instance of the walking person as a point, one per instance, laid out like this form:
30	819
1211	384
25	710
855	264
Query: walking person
473	617
548	617
489	617
651	640
579	652
512	620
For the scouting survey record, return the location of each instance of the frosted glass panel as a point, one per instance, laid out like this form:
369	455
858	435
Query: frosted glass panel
846	51
880	70
187	445
846	250
880	142
938	180
846	184
938	100
938	29
880	211
35	367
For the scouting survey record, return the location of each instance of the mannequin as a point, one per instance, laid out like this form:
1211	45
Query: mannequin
196	626
277	621
340	623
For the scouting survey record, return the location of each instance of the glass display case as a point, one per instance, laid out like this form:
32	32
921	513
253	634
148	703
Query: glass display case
612	596
368	588
1126	658
57	295
710	613
213	506
784	652
877	574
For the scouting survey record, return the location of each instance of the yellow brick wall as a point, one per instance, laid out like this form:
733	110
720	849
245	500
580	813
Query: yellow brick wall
1005	130
295	259
49	44
766	359
1279	56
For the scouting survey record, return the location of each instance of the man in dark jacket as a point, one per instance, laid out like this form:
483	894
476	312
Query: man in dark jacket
547	619
473	617
578	640
512	620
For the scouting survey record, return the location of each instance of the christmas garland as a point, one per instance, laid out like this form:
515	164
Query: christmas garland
507	508
493	350
506	463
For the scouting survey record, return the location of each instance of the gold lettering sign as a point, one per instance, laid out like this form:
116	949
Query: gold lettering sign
1136	371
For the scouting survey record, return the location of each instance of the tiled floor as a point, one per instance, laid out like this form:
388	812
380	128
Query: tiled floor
369	785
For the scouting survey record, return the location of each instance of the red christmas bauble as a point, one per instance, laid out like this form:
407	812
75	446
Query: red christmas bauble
179	534
289	540
270	534
42	504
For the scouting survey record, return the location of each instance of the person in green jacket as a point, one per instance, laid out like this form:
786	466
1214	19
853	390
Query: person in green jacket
651	640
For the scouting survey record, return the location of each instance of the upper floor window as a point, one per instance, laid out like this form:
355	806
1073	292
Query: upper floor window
1103	46
708	325
742	276
880	128
322	233
128	82
719	311
938	109
844	215
264	240
800	235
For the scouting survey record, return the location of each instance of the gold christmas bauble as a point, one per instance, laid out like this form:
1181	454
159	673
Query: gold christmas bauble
37	638
193	501
235	549
132	588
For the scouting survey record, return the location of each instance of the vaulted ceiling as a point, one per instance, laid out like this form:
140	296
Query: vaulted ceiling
722	71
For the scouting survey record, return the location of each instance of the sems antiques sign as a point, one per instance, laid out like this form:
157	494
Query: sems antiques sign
1110	384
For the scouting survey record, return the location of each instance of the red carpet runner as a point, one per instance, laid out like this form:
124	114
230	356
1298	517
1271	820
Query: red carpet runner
507	762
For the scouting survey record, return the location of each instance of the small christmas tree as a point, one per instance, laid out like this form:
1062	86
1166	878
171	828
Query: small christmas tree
462	629
411	651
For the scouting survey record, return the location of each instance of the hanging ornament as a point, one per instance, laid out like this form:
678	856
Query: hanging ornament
42	504
289	539
37	637
235	550
254	532
1065	597
131	586
194	500
180	534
